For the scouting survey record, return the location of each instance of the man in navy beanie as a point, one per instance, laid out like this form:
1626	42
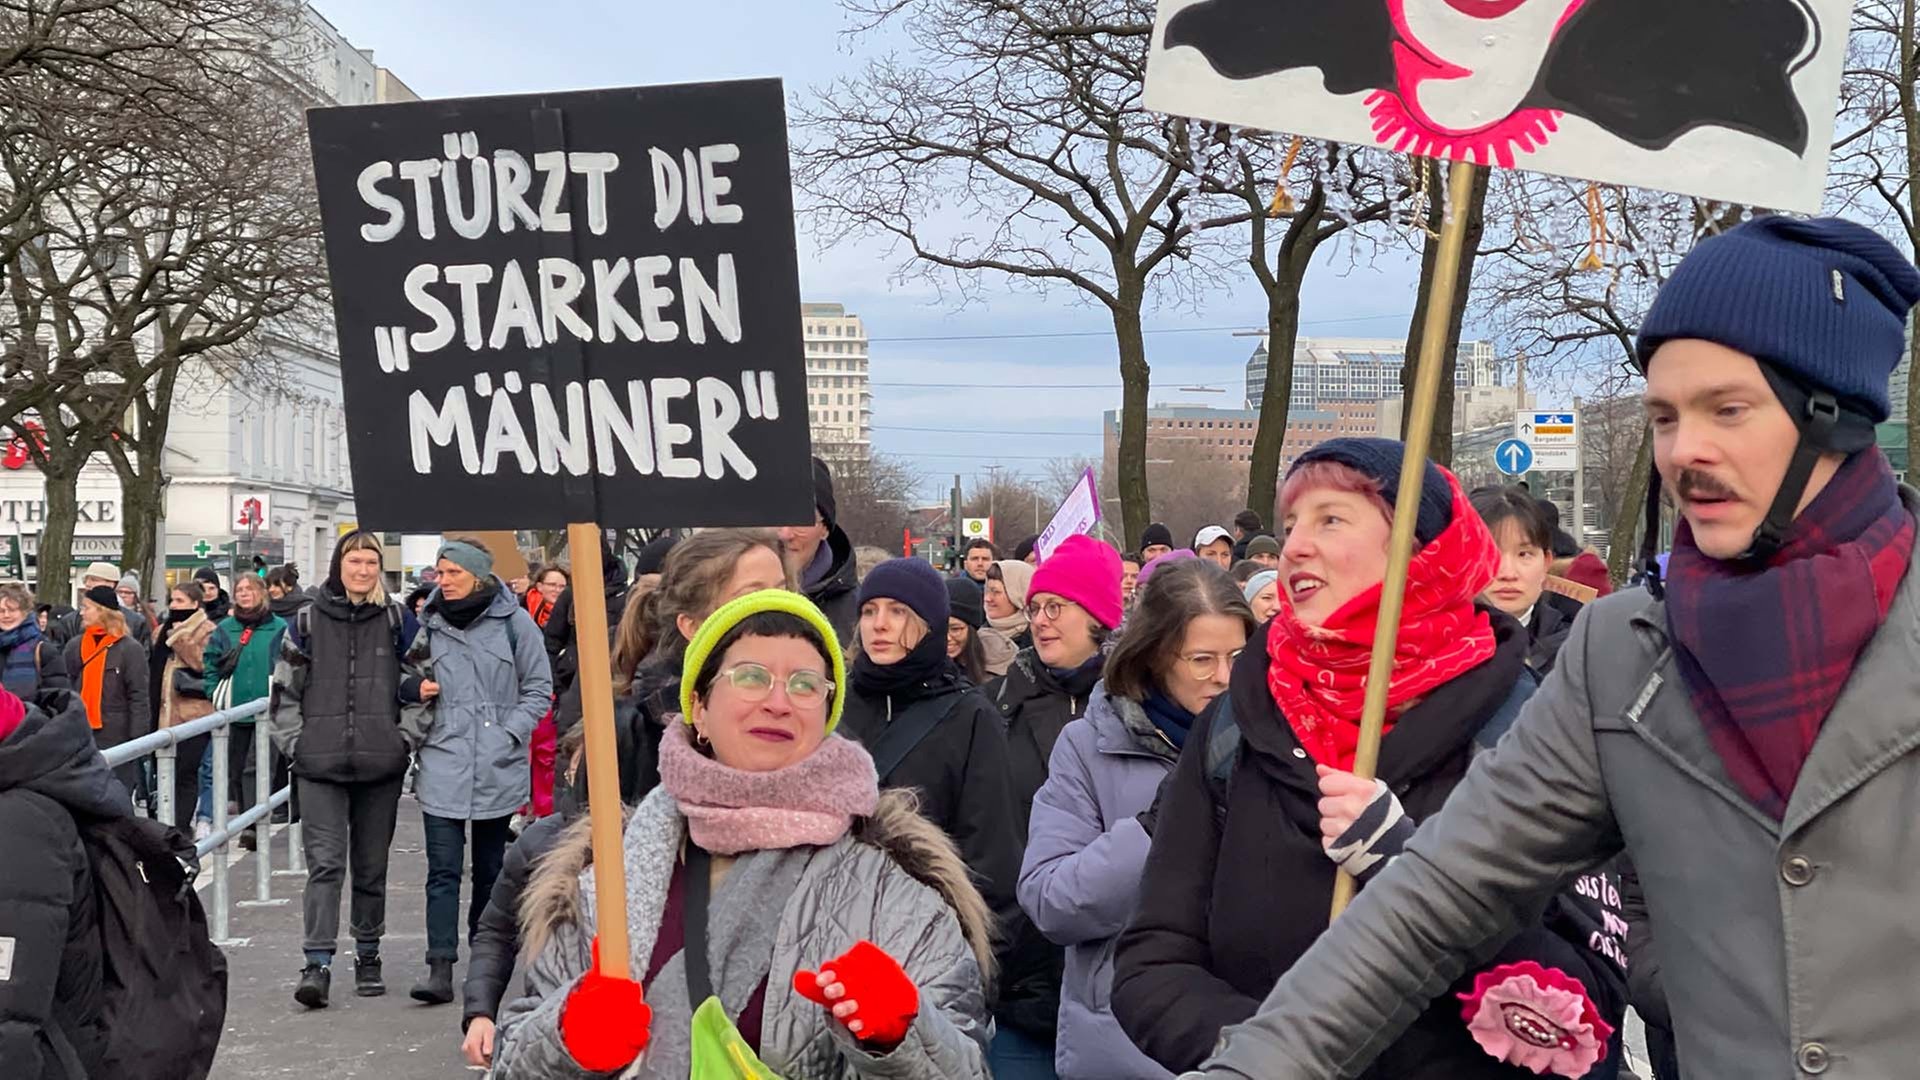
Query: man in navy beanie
1744	731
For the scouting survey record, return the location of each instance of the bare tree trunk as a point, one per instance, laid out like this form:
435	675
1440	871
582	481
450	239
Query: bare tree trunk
1622	542
1270	433
1135	385
142	491
55	561
1440	446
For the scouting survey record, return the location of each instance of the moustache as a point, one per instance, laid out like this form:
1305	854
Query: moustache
1692	484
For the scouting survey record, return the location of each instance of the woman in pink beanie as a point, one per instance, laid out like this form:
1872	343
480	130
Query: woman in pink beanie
1074	605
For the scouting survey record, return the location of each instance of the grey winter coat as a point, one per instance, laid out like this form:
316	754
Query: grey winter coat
495	686
1786	947
895	881
1081	879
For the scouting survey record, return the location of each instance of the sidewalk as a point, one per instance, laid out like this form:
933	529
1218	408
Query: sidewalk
384	1038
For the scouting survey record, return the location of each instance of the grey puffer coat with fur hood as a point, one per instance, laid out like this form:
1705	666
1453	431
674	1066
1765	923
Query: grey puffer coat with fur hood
894	880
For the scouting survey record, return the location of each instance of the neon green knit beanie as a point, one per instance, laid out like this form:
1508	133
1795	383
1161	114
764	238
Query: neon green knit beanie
737	611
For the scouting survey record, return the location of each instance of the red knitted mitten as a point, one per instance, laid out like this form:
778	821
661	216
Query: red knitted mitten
885	999
604	1023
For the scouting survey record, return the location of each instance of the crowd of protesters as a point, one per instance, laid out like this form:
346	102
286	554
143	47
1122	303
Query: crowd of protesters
1079	812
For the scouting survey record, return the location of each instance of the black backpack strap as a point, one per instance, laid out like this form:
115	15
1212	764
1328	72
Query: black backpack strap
903	734
699	871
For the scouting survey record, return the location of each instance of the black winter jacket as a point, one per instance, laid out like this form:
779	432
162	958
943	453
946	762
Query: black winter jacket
1229	902
837	594
562	650
51	779
336	703
639	719
1036	705
959	772
1552	621
496	941
125	713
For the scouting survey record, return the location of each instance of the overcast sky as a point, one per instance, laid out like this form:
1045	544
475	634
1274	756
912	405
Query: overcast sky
1052	388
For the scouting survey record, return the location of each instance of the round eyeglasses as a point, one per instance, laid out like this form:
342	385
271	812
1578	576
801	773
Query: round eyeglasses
807	689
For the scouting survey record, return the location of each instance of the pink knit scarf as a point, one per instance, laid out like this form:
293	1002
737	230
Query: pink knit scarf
810	803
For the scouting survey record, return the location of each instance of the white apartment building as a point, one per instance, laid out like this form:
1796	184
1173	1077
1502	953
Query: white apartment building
261	463
279	445
1359	369
839	392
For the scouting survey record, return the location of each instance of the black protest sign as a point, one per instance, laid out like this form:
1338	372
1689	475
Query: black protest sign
568	307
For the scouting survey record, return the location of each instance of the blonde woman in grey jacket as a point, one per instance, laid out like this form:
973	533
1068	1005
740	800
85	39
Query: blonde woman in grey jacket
767	878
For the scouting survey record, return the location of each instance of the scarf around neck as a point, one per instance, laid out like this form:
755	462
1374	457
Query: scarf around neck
1765	651
1319	673
94	646
1017	579
462	613
1168	715
923	662
810	803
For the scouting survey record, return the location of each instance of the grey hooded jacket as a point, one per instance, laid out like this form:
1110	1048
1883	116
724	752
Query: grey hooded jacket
495	686
1786	947
1080	882
895	881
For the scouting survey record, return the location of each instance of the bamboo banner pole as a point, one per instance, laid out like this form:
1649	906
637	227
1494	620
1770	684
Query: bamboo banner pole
1406	507
603	762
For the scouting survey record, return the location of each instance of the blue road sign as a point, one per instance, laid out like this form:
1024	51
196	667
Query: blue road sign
1514	457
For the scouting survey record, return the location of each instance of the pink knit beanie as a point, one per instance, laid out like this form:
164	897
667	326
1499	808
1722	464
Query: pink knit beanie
1085	571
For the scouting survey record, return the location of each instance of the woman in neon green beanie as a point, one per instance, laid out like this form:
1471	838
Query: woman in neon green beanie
847	940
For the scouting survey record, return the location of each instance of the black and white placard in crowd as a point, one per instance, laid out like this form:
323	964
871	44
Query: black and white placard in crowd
568	307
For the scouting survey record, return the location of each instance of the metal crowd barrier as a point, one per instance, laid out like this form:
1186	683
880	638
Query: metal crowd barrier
164	744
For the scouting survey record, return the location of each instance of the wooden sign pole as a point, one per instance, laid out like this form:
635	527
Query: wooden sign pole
1406	507
603	749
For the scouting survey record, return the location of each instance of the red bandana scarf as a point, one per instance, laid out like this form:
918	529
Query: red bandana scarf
1319	674
1765	652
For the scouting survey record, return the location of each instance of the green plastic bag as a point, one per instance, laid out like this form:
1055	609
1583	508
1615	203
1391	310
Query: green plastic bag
719	1052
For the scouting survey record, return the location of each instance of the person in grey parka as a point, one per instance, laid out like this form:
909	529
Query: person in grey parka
781	911
1087	846
479	668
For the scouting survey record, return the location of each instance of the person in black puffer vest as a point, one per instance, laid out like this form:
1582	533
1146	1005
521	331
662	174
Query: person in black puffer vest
52	780
930	730
336	717
1073	605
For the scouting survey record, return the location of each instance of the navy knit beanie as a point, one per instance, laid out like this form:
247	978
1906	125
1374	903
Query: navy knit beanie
1379	459
913	582
1824	300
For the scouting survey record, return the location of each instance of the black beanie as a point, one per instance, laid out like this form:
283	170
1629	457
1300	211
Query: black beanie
823	491
967	601
104	596
1156	534
1025	547
1379	459
913	582
654	555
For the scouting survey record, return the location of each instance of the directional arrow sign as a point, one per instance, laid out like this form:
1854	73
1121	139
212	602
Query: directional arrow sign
1513	457
1554	438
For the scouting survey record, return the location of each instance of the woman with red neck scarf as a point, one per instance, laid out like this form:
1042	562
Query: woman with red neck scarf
1250	830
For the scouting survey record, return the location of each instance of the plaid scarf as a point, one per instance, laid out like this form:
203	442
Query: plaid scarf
1319	673
1765	652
